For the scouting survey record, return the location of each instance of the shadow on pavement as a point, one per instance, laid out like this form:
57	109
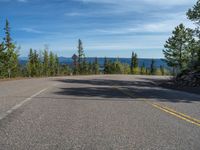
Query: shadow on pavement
139	90
107	82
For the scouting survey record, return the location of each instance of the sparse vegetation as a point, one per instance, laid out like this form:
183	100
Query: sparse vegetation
45	63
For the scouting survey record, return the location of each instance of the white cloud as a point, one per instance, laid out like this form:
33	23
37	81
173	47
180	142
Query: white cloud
31	30
152	2
72	14
23	1
160	26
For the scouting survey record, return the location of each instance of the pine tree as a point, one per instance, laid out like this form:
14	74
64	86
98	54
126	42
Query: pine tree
2	60
80	56
36	63
51	64
40	67
85	66
30	63
57	65
132	62
135	61
75	64
143	69
90	68
176	48
96	66
46	63
152	68
194	15
11	54
106	66
33	64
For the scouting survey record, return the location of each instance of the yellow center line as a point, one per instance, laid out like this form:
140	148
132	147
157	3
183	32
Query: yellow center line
166	109
175	114
179	113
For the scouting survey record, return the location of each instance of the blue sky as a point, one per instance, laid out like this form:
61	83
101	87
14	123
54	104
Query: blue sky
112	28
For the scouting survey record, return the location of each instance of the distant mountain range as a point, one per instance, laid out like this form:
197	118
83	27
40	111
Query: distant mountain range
69	61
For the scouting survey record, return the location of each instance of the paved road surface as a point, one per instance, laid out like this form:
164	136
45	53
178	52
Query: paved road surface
97	112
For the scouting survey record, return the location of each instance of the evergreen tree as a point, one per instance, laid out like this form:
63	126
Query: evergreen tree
176	48
40	66
96	66
57	65
143	69
118	67
153	68
80	56
46	63
135	61
106	66
33	64
75	64
194	15
132	62
51	64
11	54
85	66
36	63
30	63
2	59
90	68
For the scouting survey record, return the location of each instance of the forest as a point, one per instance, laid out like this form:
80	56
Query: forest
45	63
181	51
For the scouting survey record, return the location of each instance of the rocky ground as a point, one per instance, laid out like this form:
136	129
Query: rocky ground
188	82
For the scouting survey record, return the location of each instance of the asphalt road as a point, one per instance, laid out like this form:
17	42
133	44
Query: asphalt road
97	112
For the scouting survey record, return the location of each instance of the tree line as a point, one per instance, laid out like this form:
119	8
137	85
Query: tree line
45	63
182	49
82	67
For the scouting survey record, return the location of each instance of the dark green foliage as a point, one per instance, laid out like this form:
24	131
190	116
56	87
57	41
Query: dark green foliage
9	55
46	62
115	67
96	66
64	70
182	50
75	64
153	68
57	65
176	48
194	13
44	65
2	59
51	64
81	56
134	63
85	66
106	66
